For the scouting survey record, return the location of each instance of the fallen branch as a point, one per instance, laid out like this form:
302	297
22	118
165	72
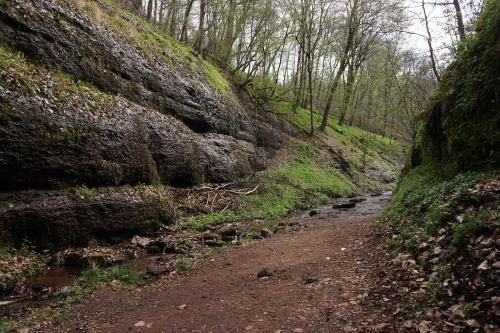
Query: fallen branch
241	192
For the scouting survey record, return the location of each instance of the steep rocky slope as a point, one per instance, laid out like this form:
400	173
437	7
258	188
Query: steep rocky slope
93	96
178	120
444	217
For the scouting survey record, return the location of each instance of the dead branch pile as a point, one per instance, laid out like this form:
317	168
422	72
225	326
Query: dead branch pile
214	197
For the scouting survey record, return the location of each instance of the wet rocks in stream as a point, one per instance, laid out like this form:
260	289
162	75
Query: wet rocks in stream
344	205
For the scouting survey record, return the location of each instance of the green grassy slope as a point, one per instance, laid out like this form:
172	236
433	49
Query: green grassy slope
343	161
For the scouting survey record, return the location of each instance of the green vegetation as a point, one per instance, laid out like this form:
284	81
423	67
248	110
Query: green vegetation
456	145
183	264
460	132
308	177
15	263
362	148
301	182
84	192
424	203
151	41
127	275
96	276
6	326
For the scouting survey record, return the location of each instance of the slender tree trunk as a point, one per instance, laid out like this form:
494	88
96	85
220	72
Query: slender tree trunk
227	44
185	22
429	42
343	63
460	20
173	18
348	92
149	10
201	27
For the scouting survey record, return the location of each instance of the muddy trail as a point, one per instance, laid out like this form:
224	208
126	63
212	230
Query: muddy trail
321	275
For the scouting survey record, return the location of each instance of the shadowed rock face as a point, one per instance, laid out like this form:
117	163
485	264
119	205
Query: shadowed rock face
138	117
58	219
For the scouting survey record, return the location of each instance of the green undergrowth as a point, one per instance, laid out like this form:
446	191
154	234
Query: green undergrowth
16	263
354	137
461	127
150	40
424	203
300	182
96	276
183	264
361	148
310	176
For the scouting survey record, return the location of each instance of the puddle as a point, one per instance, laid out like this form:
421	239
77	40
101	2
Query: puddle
44	289
51	285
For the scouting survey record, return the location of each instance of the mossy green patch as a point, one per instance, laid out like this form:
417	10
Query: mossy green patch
183	264
96	276
460	131
84	192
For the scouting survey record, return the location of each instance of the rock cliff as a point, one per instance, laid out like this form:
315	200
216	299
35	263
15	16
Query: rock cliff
92	95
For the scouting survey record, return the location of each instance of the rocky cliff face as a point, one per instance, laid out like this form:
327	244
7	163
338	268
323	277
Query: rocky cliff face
100	98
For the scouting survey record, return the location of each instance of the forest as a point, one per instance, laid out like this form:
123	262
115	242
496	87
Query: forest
351	59
249	165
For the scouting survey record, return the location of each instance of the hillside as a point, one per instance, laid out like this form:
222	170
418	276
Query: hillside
444	217
109	129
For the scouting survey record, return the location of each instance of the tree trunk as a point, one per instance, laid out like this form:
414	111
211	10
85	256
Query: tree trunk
348	92
150	10
460	20
429	42
185	22
343	63
201	27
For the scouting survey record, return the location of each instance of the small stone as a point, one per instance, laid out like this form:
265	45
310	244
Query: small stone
483	266
214	243
210	235
344	205
310	279
228	231
265	232
157	270
473	323
140	241
140	324
298	330
264	273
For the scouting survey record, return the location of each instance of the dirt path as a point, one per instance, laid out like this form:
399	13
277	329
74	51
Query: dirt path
321	279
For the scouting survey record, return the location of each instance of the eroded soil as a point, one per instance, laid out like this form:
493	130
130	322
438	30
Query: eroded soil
319	277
